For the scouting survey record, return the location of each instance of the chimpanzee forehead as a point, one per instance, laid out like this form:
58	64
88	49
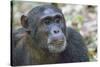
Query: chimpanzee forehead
44	10
49	11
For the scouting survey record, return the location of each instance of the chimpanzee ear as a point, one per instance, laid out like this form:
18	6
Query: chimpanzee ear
24	21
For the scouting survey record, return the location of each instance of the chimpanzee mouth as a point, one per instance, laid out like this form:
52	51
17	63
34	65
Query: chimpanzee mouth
57	43
57	46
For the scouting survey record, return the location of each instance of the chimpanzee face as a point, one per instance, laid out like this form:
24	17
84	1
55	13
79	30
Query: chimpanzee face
49	29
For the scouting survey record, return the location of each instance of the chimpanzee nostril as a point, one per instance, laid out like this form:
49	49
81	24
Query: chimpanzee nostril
56	31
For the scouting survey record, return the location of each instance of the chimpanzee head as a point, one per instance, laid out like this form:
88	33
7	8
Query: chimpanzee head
47	28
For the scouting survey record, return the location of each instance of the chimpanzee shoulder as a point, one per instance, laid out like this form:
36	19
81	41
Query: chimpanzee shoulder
76	50
18	48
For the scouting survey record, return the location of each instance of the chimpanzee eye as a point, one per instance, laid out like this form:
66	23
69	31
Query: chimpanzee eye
57	20
46	21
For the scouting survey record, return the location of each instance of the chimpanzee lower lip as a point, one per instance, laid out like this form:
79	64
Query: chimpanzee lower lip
60	42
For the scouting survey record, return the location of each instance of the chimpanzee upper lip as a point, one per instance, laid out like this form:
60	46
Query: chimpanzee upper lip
59	42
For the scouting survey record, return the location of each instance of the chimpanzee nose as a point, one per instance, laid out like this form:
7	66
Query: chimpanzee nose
56	31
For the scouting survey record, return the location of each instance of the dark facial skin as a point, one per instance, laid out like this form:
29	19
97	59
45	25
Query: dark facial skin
50	29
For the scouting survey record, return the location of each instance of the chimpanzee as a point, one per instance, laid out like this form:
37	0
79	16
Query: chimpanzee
45	39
